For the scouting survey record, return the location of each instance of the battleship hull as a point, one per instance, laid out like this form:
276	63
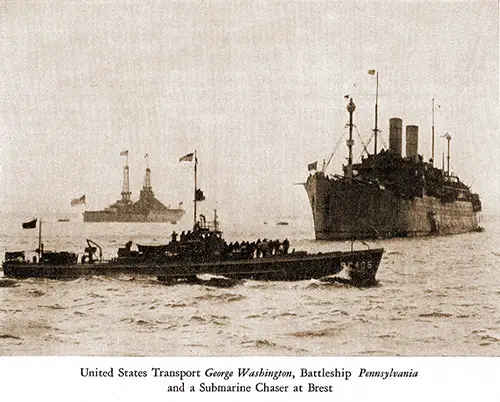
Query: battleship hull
168	216
344	209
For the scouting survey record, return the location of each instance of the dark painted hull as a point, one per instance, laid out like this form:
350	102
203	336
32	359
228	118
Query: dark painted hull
344	210
170	215
360	266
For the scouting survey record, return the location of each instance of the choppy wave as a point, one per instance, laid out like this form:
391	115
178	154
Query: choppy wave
436	296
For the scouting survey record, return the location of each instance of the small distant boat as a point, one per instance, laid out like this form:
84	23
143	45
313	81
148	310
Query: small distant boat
282	223
63	220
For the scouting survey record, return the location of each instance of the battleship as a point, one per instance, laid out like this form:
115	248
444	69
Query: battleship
146	209
390	195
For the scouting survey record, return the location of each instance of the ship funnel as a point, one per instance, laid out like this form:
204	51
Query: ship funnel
411	141
395	135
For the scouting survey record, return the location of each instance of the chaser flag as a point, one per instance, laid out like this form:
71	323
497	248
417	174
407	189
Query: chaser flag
198	195
30	224
313	166
124	153
78	201
187	158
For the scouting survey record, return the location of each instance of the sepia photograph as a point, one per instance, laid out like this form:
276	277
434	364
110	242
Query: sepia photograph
249	178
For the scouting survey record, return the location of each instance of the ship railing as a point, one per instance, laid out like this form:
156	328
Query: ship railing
355	180
361	241
208	226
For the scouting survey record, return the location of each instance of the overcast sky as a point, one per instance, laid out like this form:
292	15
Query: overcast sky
256	87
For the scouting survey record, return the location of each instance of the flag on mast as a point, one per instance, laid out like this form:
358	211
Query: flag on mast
124	153
187	157
372	72
198	195
30	224
313	166
78	201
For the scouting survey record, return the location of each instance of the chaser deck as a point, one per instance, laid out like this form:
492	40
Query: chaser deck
360	266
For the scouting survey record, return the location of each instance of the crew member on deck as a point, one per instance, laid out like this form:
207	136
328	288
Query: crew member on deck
286	245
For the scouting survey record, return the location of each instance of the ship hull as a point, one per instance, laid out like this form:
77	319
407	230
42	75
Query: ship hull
361	267
171	216
344	210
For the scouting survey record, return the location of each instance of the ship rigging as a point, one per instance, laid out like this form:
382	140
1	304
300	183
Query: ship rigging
390	194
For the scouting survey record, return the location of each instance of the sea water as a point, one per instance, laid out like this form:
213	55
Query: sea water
437	296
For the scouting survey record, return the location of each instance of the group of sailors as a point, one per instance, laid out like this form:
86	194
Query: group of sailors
239	250
191	235
259	249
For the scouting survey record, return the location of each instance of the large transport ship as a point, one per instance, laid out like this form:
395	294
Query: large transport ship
146	209
390	195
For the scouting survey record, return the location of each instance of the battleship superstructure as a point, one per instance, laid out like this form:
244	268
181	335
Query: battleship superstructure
146	209
390	195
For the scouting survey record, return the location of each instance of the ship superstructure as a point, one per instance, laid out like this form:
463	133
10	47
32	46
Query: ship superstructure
389	194
146	209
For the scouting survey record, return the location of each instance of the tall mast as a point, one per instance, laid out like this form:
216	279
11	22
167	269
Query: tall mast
375	130
350	142
195	186
432	151
40	251
448	138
